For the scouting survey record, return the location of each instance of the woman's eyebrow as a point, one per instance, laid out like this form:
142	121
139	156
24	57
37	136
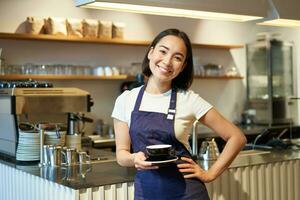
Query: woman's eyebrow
164	46
169	49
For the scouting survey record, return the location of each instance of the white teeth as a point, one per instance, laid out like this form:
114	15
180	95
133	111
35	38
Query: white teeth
164	69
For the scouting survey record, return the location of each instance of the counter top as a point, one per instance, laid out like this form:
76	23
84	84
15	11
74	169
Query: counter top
109	172
257	158
205	132
104	172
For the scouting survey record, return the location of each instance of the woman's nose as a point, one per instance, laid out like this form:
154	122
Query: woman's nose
167	60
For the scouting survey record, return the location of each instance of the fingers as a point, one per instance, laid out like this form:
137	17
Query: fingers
147	168
189	170
141	164
189	160
185	165
192	169
144	165
190	176
189	163
140	167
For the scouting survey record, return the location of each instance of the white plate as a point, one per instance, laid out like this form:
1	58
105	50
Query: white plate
54	134
36	155
164	162
27	159
33	134
28	145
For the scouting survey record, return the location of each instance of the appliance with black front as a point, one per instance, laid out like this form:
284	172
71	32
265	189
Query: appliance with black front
35	105
270	81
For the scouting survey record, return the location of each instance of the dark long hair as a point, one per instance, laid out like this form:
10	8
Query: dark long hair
185	78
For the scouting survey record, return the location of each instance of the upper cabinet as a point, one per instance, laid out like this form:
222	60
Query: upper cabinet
18	36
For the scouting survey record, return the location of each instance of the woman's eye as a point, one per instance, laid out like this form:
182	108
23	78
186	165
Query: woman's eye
177	58
162	51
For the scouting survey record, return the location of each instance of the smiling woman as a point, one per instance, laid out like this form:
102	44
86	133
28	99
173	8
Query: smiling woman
163	112
173	51
167	59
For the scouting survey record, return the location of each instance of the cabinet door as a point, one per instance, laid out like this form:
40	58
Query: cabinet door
257	70
282	68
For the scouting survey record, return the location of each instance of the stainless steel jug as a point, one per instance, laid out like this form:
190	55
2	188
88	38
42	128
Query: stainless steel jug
83	157
54	153
46	157
70	156
209	150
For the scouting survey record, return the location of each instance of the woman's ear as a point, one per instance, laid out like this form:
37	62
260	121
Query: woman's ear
150	52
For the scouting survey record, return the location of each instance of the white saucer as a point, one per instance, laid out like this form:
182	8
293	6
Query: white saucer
163	162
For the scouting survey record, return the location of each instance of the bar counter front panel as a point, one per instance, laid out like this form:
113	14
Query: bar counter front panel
269	176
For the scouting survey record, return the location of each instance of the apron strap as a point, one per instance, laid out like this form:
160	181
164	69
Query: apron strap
172	106
139	99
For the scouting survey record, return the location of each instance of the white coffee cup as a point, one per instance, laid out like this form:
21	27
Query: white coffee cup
108	71
99	71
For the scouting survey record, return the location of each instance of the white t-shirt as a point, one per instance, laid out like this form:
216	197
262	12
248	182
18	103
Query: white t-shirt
189	108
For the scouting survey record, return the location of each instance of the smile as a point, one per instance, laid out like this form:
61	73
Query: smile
164	69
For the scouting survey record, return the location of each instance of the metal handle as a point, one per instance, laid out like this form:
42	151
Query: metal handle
42	140
194	139
64	155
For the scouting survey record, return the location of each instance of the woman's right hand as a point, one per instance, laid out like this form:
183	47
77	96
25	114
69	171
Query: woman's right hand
140	163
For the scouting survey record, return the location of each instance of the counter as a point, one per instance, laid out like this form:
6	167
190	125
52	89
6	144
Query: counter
109	172
249	130
84	181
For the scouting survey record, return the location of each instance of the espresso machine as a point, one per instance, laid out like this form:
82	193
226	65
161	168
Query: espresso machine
36	105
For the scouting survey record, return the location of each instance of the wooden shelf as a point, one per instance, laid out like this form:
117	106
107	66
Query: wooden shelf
44	37
61	77
219	77
92	77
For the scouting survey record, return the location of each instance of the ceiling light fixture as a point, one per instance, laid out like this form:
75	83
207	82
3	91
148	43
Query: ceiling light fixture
281	13
199	9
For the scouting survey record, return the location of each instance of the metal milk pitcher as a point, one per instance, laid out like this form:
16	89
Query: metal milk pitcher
54	153
209	150
83	157
45	156
70	156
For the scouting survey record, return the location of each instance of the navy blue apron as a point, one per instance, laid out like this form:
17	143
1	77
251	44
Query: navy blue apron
165	183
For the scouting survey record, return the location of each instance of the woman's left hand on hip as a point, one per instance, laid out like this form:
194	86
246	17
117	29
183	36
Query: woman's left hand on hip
193	170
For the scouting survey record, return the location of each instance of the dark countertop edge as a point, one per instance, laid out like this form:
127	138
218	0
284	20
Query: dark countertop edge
246	160
109	173
274	156
100	176
254	129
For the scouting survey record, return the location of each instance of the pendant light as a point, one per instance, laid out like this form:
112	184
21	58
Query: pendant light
282	13
229	10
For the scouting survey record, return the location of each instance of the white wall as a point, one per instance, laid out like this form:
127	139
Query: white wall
227	95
